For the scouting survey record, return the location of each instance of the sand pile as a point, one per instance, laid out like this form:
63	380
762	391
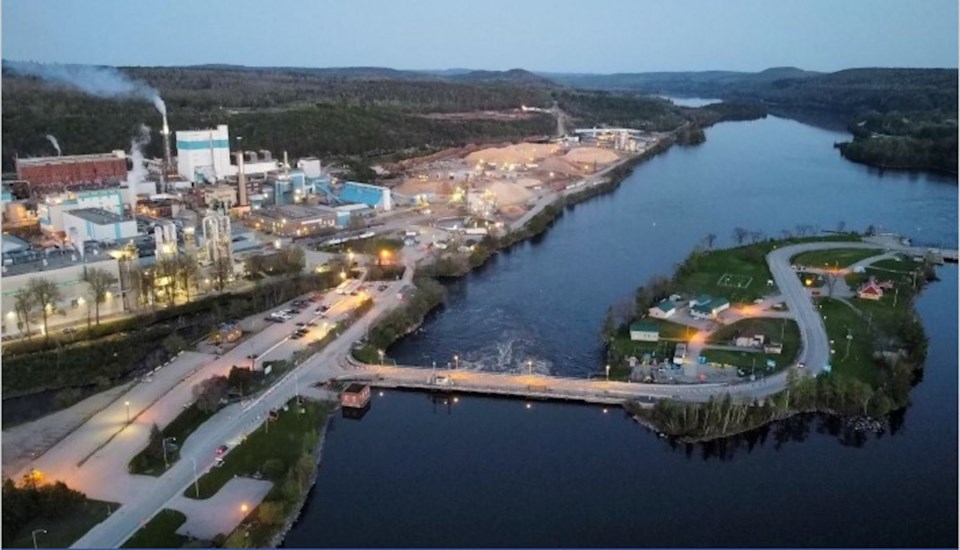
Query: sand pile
528	182
520	153
590	155
512	212
510	193
559	166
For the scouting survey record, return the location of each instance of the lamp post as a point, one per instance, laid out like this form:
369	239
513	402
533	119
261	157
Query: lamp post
163	444
34	535
608	373
530	367
456	362
196	482
127	405
381	357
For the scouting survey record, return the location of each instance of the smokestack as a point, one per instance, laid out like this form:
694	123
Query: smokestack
286	162
167	162
241	181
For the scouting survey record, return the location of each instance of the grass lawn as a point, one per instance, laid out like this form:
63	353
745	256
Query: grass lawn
839	319
182	426
771	328
718	273
64	530
904	265
283	443
837	257
159	532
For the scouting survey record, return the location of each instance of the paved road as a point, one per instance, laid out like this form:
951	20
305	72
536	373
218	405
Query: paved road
143	497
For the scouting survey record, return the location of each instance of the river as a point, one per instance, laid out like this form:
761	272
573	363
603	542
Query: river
486	472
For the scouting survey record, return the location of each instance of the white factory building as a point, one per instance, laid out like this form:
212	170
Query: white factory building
94	224
204	155
51	210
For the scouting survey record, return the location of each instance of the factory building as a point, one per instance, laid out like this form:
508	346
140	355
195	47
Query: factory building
203	155
66	270
51	210
94	224
67	172
373	196
294	220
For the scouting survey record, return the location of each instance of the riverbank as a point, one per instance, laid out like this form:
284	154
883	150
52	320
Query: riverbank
407	319
297	509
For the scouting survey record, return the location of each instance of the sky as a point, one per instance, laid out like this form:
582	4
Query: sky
597	36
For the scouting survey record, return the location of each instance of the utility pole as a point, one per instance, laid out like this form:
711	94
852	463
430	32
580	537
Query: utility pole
896	294
849	341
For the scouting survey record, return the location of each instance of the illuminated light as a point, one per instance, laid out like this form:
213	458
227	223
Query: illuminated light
529	406
604	411
456	399
244	508
11	314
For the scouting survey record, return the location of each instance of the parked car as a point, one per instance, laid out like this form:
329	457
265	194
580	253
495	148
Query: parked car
222	449
218	462
312	324
301	324
353	293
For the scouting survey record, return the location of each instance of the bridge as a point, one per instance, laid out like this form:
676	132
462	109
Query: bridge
526	386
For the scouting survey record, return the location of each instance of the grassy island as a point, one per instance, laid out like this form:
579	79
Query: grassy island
877	344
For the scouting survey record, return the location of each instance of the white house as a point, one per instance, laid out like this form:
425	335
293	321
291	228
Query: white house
644	332
665	309
709	310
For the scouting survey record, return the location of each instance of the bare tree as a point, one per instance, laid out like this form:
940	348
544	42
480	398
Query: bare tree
841	225
786	233
740	233
24	304
709	240
100	281
222	270
46	294
187	272
756	236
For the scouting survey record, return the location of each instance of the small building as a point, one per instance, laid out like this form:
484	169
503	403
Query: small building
644	332
355	396
709	310
294	220
373	196
700	300
773	348
870	290
750	341
663	310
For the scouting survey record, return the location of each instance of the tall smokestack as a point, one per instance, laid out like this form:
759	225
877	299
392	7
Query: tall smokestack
167	162
286	162
241	181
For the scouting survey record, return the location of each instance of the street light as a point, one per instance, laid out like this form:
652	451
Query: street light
196	482
244	507
530	367
456	361
608	373
127	404
164	445
381	356
34	535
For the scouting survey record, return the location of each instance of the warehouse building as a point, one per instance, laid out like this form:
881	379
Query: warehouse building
48	173
294	220
94	224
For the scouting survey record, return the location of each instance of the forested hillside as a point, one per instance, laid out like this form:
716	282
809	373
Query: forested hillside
900	118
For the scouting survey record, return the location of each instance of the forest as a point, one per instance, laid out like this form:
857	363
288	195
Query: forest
900	118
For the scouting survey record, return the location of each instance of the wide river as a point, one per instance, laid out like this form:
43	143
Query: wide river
483	472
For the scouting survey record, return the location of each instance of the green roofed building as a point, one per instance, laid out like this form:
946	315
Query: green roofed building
645	332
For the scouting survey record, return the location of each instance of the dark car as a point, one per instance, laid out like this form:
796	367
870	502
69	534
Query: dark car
301	324
222	449
353	293
324	308
312	324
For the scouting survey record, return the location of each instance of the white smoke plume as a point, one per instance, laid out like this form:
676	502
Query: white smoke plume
97	81
53	141
138	172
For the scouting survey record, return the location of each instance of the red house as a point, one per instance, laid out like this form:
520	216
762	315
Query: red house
355	395
870	290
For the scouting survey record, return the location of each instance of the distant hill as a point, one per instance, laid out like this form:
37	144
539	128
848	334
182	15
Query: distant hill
700	83
515	77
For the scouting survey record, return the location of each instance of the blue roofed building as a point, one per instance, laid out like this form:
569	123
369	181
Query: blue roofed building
373	196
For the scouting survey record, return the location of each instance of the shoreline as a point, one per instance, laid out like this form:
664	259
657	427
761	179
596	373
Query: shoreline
297	510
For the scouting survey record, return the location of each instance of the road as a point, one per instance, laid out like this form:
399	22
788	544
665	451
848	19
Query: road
104	477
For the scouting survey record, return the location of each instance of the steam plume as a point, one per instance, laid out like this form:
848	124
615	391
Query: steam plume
97	81
53	141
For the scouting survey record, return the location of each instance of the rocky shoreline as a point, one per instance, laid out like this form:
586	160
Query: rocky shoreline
294	516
